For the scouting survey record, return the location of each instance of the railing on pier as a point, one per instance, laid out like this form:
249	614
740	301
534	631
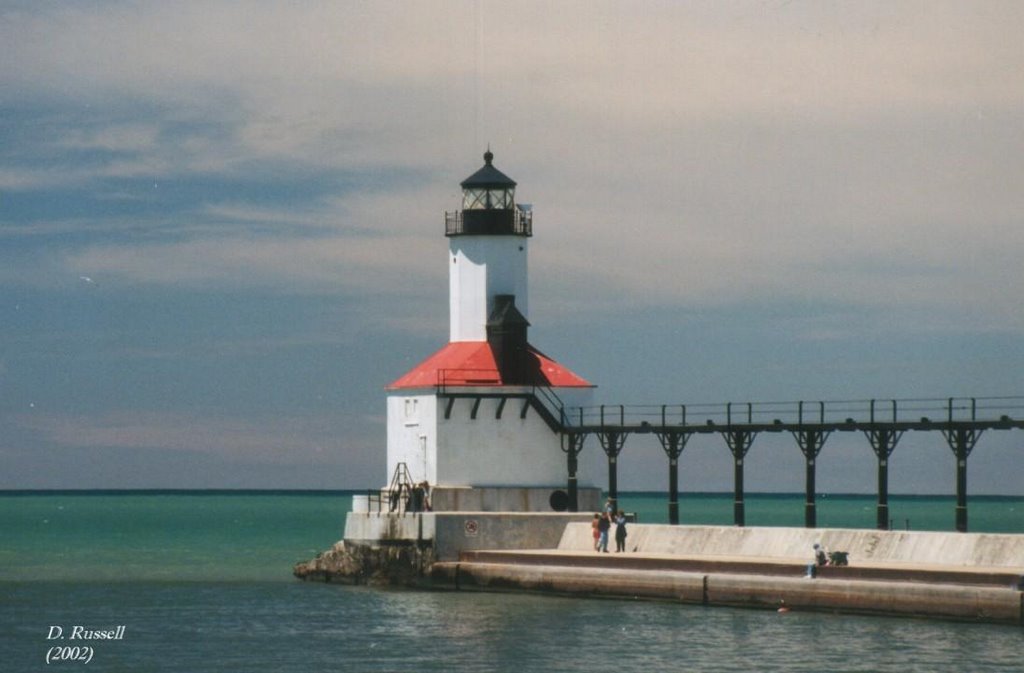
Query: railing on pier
911	413
396	497
961	420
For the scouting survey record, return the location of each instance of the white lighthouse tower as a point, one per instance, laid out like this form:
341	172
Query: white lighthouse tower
479	419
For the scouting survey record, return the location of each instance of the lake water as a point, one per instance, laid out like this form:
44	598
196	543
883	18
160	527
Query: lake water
202	582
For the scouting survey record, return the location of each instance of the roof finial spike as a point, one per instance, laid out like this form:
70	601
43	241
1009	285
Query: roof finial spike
488	155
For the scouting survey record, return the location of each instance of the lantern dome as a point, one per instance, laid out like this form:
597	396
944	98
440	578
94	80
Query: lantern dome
488	206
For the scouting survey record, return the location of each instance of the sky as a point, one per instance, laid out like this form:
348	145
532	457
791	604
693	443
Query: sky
221	224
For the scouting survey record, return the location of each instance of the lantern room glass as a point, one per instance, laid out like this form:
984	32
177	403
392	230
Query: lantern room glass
488	199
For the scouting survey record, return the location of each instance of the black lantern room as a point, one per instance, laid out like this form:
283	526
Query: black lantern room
488	206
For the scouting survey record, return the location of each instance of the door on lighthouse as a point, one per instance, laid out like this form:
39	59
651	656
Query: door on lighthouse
421	458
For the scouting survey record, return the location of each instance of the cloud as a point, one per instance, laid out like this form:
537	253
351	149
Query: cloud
118	137
760	195
335	264
340	82
280	439
863	154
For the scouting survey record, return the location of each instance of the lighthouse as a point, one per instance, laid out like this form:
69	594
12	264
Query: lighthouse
479	420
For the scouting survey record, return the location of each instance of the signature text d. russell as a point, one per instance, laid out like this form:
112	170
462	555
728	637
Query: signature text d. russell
82	633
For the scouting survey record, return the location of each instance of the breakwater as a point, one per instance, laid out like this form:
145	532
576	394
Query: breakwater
974	577
941	575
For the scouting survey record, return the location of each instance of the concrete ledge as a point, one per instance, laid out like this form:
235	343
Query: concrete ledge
971	603
792	568
685	587
864	546
448	533
984	604
461	531
374	529
506	498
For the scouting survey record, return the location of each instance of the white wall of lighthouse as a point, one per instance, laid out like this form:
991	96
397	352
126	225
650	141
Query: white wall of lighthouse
481	267
485	450
465	419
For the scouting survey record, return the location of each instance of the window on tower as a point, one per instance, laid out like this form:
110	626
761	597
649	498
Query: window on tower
487	199
412	416
474	199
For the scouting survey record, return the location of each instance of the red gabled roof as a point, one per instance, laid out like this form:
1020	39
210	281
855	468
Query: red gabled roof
471	363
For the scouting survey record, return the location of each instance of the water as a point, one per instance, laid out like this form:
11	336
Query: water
166	536
986	514
202	582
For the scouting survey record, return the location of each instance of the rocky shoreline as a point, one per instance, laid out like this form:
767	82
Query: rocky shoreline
392	565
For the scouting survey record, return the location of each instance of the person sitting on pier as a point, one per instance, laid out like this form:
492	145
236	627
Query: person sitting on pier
820	559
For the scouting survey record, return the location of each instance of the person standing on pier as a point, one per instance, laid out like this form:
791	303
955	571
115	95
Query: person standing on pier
603	525
620	531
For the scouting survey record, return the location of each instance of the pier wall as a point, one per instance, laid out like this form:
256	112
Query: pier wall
1000	605
450	533
874	546
506	499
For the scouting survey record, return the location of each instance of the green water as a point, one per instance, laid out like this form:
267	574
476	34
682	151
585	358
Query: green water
202	536
986	514
181	536
202	582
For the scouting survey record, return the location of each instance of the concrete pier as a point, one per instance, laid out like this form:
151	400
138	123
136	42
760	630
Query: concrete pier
897	598
963	576
939	575
863	545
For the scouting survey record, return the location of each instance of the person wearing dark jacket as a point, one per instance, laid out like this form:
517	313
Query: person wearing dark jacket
603	525
620	531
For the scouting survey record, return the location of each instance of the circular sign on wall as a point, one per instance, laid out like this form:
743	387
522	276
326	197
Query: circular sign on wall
472	527
559	501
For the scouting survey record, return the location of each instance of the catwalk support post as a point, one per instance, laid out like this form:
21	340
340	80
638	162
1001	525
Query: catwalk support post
961	441
572	445
612	441
673	443
738	441
810	442
883	442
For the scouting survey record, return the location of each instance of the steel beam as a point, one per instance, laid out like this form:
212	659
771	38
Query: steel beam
612	442
572	444
810	443
961	440
739	442
673	443
883	442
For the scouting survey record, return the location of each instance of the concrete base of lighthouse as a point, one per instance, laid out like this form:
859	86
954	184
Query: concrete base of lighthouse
447	534
382	547
400	548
